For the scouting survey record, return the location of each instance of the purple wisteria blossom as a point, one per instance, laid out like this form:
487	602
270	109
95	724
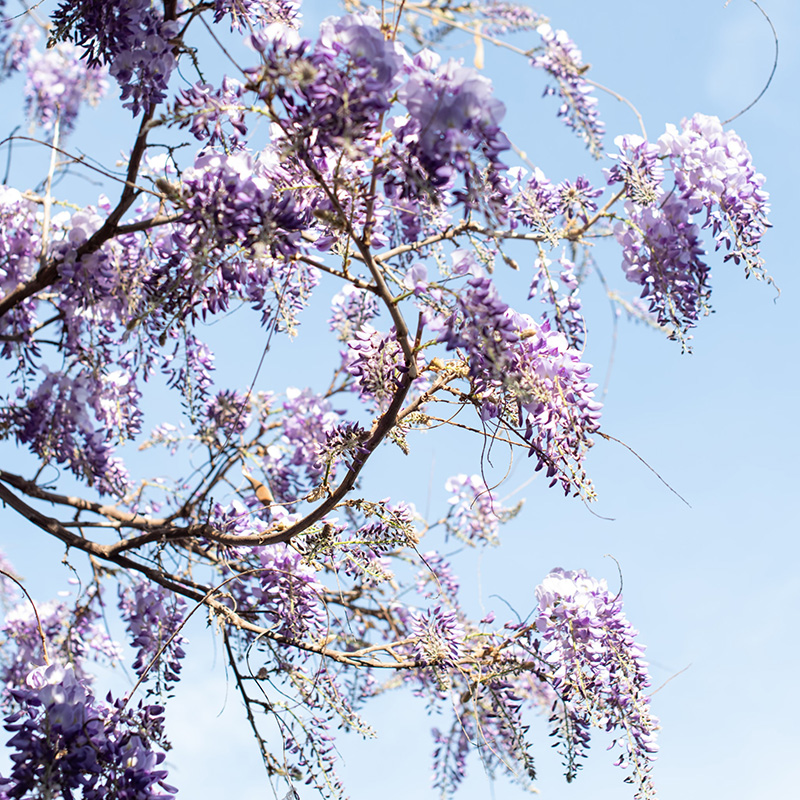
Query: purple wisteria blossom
598	667
438	637
131	37
638	167
452	129
436	577
231	199
512	359
534	203
351	309
56	423
153	618
58	81
714	172
20	247
359	164
206	110
337	91
563	61
475	513
290	595
75	636
662	251
376	362
64	741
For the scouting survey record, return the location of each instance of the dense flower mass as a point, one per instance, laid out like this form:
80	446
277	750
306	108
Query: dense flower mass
58	81
598	666
714	172
662	251
64	741
438	637
452	129
131	37
57	423
347	189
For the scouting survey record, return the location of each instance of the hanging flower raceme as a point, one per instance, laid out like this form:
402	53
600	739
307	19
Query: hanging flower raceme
66	741
662	251
76	635
714	172
476	514
154	617
333	94
56	424
131	37
58	81
452	129
291	595
438	637
231	199
527	374
597	667
563	61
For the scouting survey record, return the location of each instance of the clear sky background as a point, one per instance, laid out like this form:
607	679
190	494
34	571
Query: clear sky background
714	588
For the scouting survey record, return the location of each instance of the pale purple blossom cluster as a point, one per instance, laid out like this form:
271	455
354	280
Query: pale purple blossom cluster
597	666
563	61
334	93
307	422
290	595
74	636
475	514
512	359
207	109
58	81
557	406
714	172
484	329
56	423
65	741
376	362
436	577
230	199
20	246
438	637
663	252
131	37
153	617
351	309
452	129
489	716
638	167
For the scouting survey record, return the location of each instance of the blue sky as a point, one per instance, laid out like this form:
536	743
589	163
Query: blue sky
713	588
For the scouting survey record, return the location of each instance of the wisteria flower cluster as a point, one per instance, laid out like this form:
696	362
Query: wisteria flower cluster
131	37
154	620
64	740
563	61
714	172
348	188
475	513
598	666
